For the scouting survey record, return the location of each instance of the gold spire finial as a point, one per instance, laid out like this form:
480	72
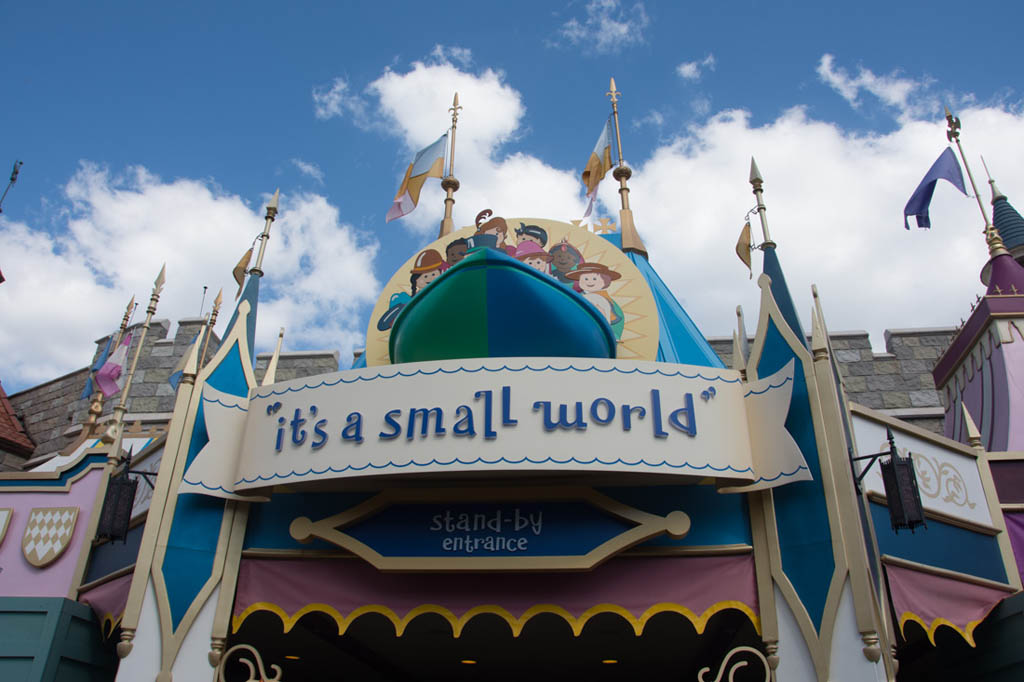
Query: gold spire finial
448	183
992	238
630	238
757	182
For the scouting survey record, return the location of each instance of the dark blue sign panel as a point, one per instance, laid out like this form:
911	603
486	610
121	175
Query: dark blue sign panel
479	529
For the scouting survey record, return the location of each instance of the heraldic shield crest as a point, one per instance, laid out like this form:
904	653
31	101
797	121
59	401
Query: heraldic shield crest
48	534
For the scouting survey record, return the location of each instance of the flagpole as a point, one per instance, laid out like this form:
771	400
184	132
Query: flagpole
96	404
114	431
210	321
992	238
631	241
449	184
757	182
271	214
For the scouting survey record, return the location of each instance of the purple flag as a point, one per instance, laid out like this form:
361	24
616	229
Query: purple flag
110	373
945	167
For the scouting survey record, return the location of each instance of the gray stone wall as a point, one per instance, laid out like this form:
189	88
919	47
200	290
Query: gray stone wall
53	412
298	364
898	382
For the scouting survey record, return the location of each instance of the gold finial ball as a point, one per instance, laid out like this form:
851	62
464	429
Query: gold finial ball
677	524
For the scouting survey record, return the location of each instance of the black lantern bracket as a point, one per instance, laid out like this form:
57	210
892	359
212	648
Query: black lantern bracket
891	452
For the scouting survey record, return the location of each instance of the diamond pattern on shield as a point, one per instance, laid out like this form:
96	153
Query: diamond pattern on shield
48	534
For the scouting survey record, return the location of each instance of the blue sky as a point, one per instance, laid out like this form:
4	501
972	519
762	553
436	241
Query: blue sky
155	133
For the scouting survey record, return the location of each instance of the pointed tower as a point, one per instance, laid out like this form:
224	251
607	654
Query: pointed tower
983	367
1009	223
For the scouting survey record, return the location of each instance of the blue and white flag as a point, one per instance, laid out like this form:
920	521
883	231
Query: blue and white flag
945	167
88	389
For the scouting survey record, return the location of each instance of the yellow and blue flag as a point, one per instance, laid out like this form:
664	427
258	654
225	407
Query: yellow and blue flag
429	163
598	164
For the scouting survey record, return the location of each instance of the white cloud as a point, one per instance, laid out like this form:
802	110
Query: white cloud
607	27
654	119
691	71
835	202
415	106
336	99
461	56
701	105
120	228
909	97
309	168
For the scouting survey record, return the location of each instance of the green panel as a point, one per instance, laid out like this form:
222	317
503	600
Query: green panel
52	640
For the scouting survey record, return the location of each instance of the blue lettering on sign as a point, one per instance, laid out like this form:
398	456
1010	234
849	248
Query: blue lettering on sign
425	421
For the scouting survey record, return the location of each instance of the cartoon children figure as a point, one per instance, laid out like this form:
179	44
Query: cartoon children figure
594	279
456	251
496	227
532	233
427	267
530	253
564	259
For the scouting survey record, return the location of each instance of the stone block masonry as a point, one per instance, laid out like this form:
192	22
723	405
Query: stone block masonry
898	382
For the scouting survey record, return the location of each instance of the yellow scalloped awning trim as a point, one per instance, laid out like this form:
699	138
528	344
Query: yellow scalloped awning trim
967	634
458	623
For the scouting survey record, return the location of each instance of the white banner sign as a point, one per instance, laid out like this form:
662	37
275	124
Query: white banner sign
502	414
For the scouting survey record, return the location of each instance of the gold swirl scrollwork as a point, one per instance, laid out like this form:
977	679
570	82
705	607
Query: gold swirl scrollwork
253	666
737	664
939	480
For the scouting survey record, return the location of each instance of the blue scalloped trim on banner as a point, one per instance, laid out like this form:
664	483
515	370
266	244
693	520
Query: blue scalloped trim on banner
503	368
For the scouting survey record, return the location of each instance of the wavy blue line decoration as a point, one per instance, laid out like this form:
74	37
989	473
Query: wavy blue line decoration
503	368
480	460
223	404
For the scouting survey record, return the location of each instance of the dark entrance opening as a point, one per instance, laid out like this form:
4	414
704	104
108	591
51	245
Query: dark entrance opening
608	648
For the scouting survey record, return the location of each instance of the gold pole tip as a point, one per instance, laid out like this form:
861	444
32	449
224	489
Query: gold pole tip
273	200
612	80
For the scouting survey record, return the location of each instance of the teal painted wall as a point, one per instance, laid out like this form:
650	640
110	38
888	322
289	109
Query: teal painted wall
50	639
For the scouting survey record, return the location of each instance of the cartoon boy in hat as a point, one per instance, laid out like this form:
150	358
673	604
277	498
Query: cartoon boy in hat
564	259
532	233
427	267
593	280
530	253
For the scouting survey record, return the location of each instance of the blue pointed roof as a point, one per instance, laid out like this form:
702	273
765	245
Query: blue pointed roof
1008	222
251	293
679	340
780	292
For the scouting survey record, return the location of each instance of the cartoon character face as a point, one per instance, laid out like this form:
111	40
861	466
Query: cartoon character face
530	238
563	259
423	279
592	282
455	253
537	263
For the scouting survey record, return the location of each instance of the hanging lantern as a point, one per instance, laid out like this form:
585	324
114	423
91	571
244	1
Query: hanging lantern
901	493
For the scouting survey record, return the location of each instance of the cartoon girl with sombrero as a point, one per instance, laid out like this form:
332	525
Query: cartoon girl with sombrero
593	280
427	267
564	259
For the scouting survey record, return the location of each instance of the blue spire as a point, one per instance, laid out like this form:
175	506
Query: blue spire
780	292
250	294
679	340
1006	219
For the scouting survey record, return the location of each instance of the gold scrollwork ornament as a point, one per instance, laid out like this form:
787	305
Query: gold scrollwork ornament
736	664
252	666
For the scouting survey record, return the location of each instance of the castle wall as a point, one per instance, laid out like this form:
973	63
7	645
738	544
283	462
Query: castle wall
898	382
